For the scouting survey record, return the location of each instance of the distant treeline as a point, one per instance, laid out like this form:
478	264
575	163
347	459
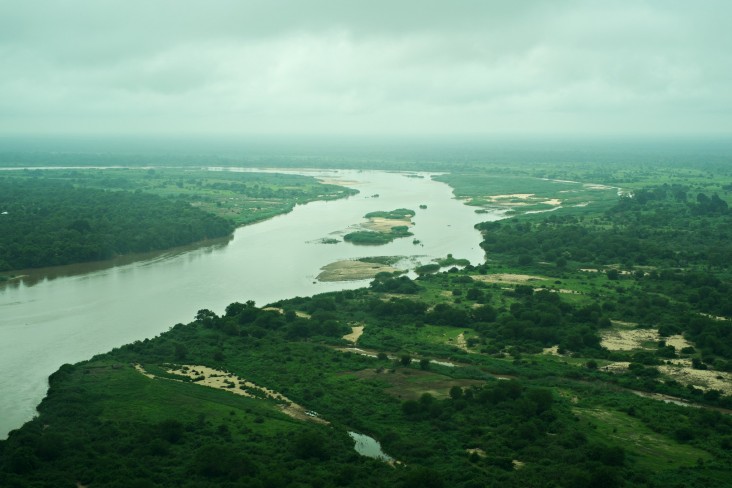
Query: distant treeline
48	223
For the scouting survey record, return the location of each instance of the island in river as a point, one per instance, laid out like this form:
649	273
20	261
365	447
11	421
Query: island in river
497	374
382	227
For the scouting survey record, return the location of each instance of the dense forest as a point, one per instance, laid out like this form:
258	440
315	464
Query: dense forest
48	223
64	216
496	374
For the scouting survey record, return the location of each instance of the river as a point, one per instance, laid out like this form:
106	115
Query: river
68	314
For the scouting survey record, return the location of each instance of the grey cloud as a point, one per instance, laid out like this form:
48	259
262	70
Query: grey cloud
346	66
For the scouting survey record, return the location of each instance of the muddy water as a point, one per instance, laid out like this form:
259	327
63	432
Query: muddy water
68	314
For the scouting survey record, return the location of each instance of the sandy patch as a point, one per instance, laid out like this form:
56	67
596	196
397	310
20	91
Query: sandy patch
356	332
336	181
298	313
521	199
714	317
348	270
222	380
552	201
142	371
213	378
477	451
461	343
551	351
381	224
677	341
507	278
520	196
627	340
704	379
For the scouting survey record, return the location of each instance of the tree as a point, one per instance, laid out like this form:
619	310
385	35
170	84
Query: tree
406	360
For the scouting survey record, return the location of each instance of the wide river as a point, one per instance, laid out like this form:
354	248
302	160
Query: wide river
68	314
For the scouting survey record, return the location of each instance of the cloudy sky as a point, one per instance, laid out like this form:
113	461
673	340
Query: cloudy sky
356	67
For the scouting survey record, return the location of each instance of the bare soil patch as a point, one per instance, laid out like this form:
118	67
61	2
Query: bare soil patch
507	278
704	379
356	332
629	339
348	270
381	224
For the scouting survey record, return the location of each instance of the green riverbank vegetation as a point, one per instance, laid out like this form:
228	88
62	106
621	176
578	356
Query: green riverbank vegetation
593	347
55	217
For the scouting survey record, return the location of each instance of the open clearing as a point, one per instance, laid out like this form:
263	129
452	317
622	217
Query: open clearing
411	384
653	450
508	278
356	332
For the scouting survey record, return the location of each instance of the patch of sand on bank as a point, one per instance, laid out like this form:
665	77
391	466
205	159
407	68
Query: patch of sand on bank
520	196
521	199
551	351
381	224
507	278
348	270
336	181
595	186
356	332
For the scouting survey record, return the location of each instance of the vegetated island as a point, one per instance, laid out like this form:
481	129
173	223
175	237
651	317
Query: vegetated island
382	227
56	217
440	263
573	354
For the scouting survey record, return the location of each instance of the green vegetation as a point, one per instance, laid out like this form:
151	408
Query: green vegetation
500	374
398	214
53	217
372	238
50	223
382	234
451	261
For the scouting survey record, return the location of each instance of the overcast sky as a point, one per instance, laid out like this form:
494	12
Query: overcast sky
365	67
